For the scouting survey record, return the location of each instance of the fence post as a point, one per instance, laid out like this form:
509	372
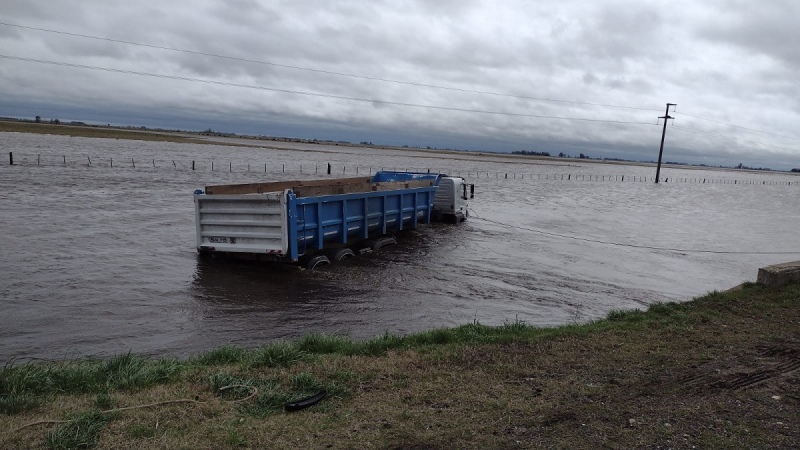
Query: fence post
11	158
329	168
193	165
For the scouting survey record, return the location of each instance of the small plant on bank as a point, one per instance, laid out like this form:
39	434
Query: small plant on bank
281	354
80	432
227	354
104	400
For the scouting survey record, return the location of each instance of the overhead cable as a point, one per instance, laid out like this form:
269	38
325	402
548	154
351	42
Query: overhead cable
690	130
327	72
316	94
736	126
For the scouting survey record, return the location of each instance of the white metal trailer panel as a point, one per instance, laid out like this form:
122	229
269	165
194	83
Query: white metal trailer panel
445	198
251	223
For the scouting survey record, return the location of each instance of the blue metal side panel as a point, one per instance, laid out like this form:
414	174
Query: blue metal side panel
387	176
320	235
365	212
291	203
337	218
345	221
414	217
382	208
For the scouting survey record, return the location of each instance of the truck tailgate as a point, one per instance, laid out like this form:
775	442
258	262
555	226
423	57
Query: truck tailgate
249	223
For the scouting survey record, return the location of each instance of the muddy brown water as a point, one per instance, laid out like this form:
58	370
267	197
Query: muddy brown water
100	259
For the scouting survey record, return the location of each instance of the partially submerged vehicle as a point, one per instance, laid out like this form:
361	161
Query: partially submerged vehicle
315	222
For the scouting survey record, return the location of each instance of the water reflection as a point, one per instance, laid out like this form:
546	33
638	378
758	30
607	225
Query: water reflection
228	283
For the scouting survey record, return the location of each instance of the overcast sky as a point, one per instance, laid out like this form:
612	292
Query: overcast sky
464	74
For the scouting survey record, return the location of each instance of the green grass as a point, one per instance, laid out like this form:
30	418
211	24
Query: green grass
235	438
27	386
80	432
104	400
17	402
227	354
281	354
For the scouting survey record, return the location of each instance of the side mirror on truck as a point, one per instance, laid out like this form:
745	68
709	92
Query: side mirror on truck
471	191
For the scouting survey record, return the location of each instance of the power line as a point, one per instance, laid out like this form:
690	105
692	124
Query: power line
690	130
327	72
315	94
646	247
738	126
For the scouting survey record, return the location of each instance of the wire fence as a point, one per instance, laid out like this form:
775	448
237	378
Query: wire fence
345	170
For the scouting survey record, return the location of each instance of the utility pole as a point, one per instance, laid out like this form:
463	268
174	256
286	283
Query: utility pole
663	134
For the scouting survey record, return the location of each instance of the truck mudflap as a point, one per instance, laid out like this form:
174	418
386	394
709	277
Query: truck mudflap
252	223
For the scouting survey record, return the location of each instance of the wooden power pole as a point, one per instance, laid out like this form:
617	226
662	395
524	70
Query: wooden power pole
663	134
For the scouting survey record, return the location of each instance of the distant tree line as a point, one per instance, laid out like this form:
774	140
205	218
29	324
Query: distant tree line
742	166
530	152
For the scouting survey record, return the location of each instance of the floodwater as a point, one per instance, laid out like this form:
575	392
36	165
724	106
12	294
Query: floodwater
99	257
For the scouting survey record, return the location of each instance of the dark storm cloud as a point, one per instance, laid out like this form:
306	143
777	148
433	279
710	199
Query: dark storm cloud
763	28
728	61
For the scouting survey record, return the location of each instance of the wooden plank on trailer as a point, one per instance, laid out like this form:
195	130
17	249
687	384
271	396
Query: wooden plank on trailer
313	188
352	188
278	186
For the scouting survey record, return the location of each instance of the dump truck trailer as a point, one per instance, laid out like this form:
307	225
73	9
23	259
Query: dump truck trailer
315	222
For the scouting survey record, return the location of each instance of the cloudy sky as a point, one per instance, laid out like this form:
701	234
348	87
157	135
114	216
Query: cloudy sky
559	76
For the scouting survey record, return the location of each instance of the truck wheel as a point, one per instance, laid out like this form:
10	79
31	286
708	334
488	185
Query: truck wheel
383	242
317	261
343	253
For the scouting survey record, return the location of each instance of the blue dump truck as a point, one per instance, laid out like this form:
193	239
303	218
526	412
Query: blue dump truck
315	222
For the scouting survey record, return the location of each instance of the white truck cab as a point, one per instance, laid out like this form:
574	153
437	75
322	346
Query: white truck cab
450	201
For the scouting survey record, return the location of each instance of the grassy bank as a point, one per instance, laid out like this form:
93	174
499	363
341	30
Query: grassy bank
717	372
